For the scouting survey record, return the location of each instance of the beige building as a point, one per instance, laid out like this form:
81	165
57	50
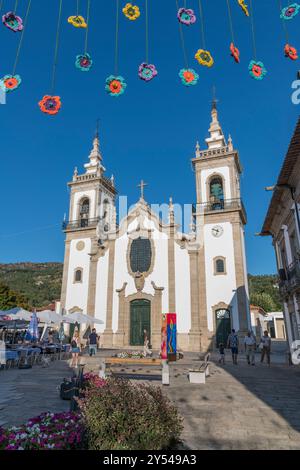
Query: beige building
282	222
127	271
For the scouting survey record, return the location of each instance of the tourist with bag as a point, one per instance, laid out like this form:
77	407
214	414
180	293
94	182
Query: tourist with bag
233	344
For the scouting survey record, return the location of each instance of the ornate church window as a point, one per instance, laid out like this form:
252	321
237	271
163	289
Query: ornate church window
140	255
216	193
84	211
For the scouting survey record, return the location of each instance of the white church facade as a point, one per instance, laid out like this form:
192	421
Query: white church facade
128	274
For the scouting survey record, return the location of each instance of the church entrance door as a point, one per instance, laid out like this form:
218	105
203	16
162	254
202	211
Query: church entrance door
140	312
223	326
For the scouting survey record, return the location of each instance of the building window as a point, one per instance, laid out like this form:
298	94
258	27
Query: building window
78	275
84	211
140	255
219	266
216	193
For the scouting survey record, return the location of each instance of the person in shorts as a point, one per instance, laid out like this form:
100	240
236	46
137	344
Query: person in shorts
233	344
93	342
222	353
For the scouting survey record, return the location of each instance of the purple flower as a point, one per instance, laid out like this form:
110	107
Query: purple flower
147	71
186	16
12	21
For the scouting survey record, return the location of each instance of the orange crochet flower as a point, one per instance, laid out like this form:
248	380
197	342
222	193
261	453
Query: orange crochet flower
235	53
50	104
290	52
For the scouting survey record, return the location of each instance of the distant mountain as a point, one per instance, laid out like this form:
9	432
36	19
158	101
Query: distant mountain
40	283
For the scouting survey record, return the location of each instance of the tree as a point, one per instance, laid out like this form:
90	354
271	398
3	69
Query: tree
10	299
264	301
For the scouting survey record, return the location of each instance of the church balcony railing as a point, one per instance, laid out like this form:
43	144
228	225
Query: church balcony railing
81	224
221	205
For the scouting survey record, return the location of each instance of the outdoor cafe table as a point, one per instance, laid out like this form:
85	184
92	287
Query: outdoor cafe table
11	355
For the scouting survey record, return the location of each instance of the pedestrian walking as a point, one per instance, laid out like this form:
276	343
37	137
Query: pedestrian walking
233	344
93	342
75	349
250	346
265	345
222	353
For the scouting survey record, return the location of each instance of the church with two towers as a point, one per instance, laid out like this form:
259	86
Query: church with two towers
129	272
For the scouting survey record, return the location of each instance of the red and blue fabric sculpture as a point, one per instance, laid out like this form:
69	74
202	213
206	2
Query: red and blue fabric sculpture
84	62
289	12
50	104
257	70
147	71
10	83
12	21
188	77
115	85
186	16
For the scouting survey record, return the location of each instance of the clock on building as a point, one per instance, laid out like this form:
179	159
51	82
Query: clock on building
217	231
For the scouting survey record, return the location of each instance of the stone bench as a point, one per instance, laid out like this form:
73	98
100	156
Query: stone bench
116	361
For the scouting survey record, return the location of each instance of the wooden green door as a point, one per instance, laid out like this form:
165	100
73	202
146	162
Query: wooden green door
223	326
140	311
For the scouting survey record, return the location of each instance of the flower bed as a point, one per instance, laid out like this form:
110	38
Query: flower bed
49	431
130	355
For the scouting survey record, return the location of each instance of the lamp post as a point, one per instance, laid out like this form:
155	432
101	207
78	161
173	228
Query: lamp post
293	194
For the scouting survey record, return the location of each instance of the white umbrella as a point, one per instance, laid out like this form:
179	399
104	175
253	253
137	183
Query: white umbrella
77	317
48	316
21	314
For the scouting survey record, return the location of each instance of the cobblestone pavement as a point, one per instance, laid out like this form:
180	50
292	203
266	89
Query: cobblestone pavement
239	407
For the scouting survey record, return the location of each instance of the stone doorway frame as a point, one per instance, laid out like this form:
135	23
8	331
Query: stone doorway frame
122	336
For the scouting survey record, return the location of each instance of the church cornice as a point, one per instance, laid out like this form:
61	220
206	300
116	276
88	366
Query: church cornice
216	155
93	178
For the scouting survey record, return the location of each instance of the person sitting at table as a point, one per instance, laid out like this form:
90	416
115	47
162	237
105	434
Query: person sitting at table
50	338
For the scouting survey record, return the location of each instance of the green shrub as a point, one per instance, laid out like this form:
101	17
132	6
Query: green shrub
124	416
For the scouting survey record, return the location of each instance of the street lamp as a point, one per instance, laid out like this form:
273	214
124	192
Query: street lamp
293	194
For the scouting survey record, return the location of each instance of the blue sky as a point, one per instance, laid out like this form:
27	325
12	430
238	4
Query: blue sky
150	132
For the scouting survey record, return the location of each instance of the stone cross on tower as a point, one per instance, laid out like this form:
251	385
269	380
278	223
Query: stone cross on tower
142	185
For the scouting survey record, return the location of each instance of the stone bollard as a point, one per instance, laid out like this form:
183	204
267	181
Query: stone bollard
165	373
102	370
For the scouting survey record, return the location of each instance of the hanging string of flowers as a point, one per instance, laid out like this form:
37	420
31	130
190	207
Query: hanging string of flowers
289	51
256	68
84	61
115	84
187	75
147	71
77	20
12	21
12	82
51	104
203	56
234	51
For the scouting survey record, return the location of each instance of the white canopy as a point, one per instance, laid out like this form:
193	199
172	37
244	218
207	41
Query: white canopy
78	317
19	314
48	316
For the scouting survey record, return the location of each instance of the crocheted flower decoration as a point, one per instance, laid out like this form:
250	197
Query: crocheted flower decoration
10	83
257	70
132	12
290	52
244	7
147	71
77	21
204	58
188	77
12	21
235	53
186	16
50	104
84	62
115	86
289	12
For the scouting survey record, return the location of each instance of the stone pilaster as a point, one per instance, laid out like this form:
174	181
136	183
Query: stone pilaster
65	274
194	333
119	339
171	271
241	293
156	317
108	332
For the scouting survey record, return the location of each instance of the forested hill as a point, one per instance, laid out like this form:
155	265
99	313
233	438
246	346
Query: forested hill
38	284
